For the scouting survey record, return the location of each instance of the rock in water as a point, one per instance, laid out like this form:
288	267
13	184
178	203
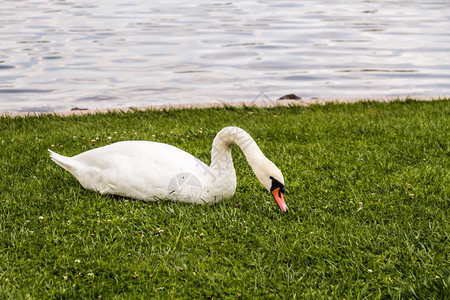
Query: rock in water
290	97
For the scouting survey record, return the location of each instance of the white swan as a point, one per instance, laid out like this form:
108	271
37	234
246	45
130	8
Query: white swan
151	171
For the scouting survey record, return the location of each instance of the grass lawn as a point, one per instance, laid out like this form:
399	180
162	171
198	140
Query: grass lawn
367	186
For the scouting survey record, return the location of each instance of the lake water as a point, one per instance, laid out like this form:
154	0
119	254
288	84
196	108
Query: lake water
57	55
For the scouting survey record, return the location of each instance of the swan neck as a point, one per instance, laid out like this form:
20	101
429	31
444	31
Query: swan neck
221	149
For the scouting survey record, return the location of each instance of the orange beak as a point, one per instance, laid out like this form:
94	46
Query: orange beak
280	199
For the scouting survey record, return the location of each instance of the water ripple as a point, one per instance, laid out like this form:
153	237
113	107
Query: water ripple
56	55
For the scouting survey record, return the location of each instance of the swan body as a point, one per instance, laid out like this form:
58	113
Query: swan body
151	171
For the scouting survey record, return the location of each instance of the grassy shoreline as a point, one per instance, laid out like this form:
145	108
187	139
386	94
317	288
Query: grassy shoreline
367	185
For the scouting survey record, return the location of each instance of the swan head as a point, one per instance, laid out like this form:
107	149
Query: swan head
272	179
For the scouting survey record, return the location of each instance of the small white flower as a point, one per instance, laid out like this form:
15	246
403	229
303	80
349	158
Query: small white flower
90	274
360	206
41	217
109	138
370	271
65	277
77	261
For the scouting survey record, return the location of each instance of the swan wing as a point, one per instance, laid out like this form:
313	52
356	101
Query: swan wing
142	170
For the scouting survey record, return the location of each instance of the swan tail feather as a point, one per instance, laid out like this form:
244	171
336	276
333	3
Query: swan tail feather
63	161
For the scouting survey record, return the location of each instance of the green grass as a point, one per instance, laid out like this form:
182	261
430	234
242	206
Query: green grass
367	187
